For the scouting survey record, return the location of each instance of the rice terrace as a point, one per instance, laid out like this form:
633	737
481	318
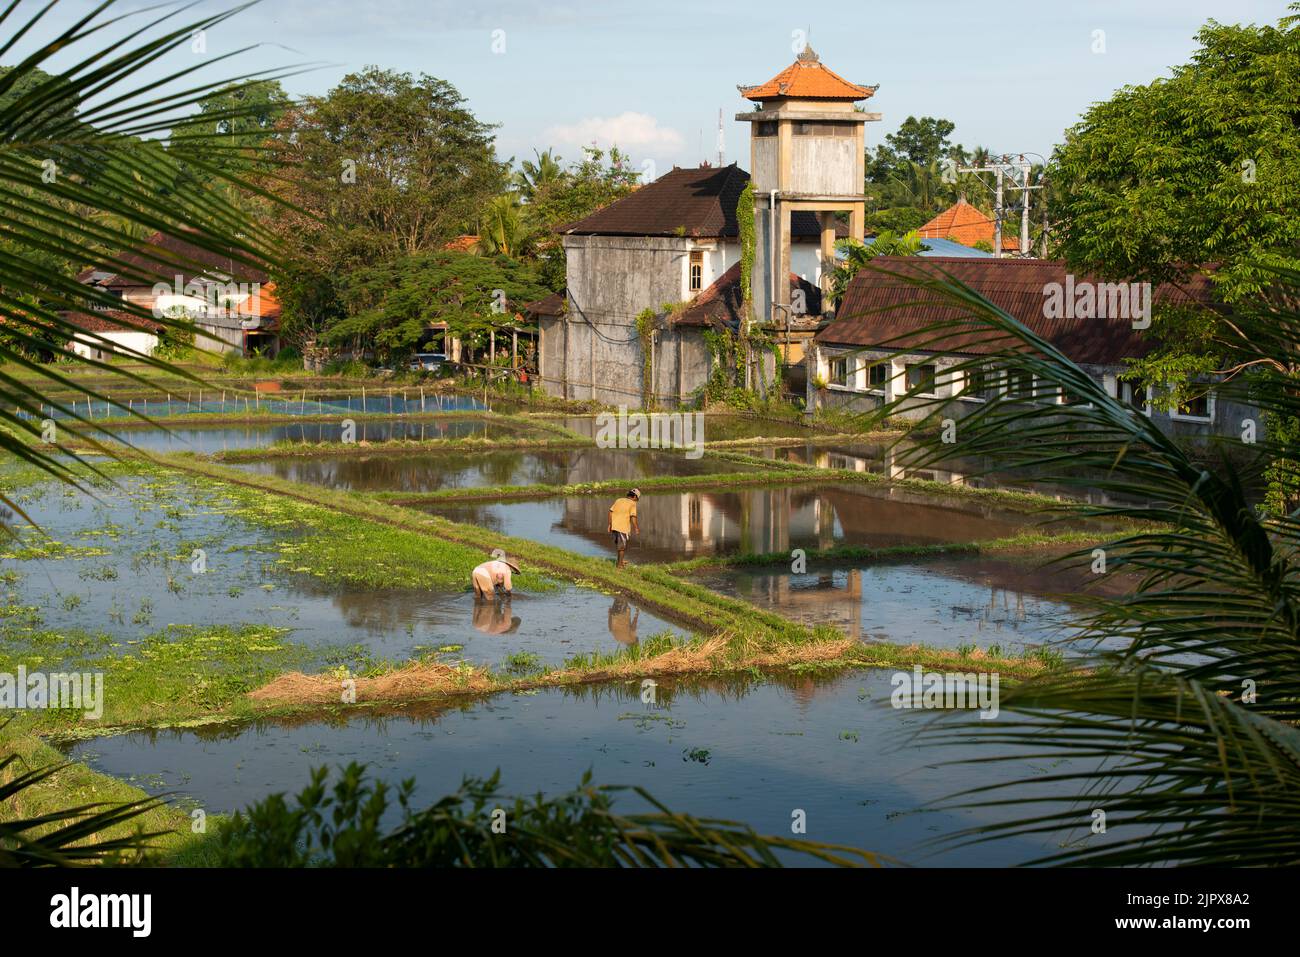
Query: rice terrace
404	467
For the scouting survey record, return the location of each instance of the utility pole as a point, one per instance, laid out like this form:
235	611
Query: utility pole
1019	173
997	216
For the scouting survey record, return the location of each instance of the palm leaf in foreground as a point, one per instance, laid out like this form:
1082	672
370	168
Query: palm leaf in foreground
67	836
81	177
1185	727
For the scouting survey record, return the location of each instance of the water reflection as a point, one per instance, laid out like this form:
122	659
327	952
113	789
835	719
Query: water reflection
686	524
843	755
445	470
945	603
492	617
623	620
225	438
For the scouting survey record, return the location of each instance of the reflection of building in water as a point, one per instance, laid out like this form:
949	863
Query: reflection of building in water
816	600
674	525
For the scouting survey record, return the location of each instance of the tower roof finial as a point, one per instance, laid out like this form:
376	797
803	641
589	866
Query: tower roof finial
808	54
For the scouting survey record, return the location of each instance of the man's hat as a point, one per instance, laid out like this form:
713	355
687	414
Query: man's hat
635	493
512	562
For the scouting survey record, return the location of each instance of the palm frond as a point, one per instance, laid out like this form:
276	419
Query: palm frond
1183	728
82	175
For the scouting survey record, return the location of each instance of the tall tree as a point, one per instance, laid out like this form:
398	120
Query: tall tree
1199	168
385	165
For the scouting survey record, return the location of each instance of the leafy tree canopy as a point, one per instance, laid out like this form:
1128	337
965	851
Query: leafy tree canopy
392	305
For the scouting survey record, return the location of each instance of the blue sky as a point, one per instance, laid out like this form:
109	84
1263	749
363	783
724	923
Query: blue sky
653	75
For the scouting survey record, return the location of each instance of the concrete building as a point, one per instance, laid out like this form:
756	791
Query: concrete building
884	343
673	247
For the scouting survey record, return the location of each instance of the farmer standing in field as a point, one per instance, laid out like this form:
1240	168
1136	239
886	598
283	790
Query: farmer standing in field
492	577
622	522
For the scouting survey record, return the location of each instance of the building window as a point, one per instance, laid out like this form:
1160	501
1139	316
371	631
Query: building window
878	375
983	383
1136	395
766	128
1199	408
920	378
1020	384
839	371
697	271
822	128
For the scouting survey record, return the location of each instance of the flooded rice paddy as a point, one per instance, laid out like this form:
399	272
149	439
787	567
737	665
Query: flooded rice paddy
230	437
121	565
680	525
415	472
834	749
998	606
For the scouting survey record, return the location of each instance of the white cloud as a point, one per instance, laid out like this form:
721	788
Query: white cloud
637	133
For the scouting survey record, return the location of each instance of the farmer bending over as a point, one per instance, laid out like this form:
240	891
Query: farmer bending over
622	522
492	577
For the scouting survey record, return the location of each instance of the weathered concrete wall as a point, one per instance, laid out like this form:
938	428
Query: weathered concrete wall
825	164
610	280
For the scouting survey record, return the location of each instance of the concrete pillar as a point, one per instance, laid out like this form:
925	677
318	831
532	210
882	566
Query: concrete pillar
827	256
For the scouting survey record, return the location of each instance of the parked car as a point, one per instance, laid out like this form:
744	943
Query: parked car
428	361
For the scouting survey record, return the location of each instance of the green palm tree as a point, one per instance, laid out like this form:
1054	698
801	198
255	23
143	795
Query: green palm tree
502	230
857	255
84	174
1184	733
531	177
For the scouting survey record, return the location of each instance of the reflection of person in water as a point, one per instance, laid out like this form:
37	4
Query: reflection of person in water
622	623
494	618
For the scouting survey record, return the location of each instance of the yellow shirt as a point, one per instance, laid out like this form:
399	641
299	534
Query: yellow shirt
621	514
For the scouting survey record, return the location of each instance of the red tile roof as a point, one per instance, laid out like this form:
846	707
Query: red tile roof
808	79
162	257
880	309
963	223
111	321
462	244
721	301
699	202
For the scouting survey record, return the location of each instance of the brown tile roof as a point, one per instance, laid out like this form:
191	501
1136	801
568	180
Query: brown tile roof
161	257
111	321
963	223
808	79
883	310
552	305
721	302
698	202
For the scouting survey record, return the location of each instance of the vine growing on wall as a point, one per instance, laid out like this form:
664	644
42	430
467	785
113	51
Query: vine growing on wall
645	327
745	223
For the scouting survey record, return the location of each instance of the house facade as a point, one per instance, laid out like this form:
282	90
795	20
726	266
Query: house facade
232	305
883	343
664	248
